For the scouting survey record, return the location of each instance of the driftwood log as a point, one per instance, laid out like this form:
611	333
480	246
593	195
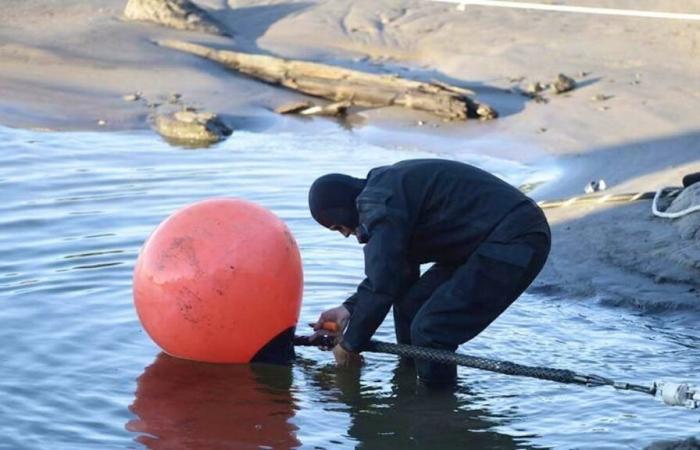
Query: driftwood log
346	86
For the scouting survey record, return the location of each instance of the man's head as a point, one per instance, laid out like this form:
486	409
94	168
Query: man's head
332	202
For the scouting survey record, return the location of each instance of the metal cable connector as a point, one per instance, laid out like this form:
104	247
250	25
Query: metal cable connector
678	394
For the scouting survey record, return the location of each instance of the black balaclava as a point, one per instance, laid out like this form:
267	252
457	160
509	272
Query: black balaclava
332	200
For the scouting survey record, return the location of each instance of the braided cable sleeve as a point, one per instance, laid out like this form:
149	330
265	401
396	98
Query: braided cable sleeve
475	362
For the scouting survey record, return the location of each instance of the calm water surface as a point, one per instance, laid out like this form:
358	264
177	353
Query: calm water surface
77	371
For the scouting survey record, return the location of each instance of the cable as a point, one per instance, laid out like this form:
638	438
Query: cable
608	198
671	393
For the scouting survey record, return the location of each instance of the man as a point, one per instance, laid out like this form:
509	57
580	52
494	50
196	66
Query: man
486	239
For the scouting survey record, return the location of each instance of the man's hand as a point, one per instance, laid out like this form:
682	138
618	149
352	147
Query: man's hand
338	315
344	358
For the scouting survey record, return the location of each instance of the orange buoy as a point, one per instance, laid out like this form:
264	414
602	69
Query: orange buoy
218	280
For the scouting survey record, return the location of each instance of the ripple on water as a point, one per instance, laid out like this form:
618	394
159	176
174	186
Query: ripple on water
78	371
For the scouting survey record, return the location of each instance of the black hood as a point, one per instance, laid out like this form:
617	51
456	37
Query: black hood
332	200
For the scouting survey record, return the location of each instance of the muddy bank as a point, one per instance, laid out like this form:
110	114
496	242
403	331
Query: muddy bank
631	119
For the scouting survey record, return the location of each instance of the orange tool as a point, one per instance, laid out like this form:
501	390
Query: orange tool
330	326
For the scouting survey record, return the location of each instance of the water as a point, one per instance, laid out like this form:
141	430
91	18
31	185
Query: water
77	371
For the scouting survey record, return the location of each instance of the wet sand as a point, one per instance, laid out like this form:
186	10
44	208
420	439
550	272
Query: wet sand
65	65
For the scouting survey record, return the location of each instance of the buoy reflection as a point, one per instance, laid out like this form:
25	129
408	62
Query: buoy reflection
183	404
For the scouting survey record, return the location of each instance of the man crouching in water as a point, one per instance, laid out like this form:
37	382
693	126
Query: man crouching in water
487	240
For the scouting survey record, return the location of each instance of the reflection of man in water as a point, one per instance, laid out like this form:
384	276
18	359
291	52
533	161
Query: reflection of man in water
186	405
486	239
402	414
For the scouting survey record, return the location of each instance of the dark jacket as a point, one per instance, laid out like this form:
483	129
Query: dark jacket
414	212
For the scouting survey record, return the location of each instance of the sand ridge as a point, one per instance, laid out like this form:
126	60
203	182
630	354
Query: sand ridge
633	120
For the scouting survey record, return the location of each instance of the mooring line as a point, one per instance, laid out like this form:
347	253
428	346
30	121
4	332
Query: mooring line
672	394
610	198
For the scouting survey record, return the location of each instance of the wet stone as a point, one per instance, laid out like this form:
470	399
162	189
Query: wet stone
687	444
178	14
174	98
535	88
132	97
601	97
485	112
689	225
192	128
563	84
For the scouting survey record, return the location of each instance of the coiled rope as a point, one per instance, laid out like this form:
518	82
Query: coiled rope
670	215
671	393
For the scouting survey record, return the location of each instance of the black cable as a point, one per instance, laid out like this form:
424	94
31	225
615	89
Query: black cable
477	362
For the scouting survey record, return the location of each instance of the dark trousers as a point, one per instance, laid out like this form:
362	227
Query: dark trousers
451	304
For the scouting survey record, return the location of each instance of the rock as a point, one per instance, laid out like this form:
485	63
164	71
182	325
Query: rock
595	186
534	91
535	88
691	178
601	97
192	128
485	112
687	444
563	84
689	225
174	98
132	97
293	107
178	14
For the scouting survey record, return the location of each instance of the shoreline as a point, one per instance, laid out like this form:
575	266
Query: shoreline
67	66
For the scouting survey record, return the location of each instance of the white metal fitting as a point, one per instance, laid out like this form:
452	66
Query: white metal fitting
679	394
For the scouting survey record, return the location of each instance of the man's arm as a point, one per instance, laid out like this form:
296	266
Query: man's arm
349	304
387	279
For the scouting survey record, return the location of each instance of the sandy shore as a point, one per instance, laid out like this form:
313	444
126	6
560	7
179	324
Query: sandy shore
65	65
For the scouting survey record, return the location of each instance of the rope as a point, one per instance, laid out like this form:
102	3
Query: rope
670	215
608	198
667	192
